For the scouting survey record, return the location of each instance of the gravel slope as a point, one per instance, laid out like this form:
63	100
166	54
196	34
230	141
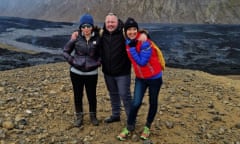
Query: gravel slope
36	106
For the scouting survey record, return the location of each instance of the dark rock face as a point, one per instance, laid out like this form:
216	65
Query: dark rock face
51	42
210	48
32	24
11	59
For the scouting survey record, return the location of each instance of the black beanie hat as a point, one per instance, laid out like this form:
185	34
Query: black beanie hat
130	22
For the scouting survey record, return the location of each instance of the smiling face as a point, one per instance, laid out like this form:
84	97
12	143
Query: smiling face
86	29
111	22
132	32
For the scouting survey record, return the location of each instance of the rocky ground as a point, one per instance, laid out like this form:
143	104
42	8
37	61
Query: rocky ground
36	106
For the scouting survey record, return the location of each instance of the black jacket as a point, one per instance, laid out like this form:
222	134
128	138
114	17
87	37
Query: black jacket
86	53
114	57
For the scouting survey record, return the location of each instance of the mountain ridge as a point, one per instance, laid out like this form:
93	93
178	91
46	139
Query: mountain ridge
151	11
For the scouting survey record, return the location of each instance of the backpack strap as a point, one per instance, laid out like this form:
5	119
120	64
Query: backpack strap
159	54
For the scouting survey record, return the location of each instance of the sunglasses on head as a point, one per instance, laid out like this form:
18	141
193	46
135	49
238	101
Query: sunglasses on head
111	14
86	26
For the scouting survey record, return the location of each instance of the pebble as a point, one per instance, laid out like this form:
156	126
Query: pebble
8	125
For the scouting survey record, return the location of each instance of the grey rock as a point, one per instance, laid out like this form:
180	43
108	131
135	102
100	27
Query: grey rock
237	125
169	124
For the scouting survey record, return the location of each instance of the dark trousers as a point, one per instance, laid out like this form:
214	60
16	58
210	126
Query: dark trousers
140	88
119	89
90	84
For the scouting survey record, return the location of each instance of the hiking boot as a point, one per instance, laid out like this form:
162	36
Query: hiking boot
79	120
94	119
112	119
145	134
123	135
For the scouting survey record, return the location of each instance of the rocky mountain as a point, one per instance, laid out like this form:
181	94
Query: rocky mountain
159	11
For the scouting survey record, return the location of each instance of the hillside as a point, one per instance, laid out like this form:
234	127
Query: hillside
36	106
156	11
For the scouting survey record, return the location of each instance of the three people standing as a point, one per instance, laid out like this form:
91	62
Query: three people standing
116	51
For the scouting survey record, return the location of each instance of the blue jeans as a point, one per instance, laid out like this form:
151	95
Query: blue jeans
141	86
119	89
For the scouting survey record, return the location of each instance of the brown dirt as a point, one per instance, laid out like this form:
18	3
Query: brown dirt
194	107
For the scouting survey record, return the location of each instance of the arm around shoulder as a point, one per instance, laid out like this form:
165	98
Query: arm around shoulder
74	35
143	35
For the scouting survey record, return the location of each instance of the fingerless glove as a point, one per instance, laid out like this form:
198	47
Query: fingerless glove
133	43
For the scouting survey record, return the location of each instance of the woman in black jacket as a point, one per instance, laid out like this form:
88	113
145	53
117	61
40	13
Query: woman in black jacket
83	56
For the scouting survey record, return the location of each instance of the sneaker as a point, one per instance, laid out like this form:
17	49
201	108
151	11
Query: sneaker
145	134
112	119
123	135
